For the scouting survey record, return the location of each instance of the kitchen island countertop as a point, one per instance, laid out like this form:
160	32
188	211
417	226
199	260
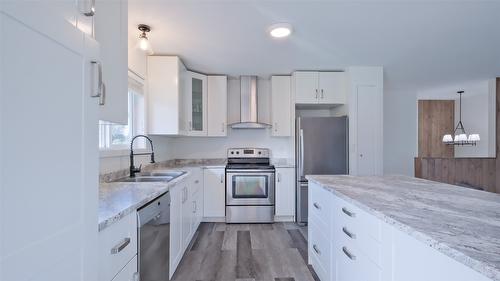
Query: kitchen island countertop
462	223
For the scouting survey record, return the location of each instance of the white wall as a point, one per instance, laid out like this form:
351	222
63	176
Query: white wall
400	132
478	113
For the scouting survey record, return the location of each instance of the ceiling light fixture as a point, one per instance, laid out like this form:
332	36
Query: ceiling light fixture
280	30
144	43
461	137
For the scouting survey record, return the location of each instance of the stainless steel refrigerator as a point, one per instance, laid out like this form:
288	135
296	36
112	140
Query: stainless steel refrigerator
321	148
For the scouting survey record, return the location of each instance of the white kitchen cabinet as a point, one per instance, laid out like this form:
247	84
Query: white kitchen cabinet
306	87
166	94
187	216
176	241
217	106
366	121
117	246
281	106
196	104
129	272
320	87
214	200
285	193
196	198
332	88
111	25
48	227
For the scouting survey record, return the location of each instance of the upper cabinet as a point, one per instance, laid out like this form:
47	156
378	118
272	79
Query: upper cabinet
217	106
166	86
313	87
110	26
281	106
196	104
183	102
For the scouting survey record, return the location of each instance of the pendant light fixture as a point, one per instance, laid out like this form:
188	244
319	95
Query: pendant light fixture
144	43
460	136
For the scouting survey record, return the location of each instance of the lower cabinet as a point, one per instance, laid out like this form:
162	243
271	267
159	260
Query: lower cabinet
214	194
285	194
185	215
348	244
118	248
129	272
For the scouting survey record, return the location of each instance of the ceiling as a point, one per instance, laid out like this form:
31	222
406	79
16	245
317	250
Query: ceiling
421	44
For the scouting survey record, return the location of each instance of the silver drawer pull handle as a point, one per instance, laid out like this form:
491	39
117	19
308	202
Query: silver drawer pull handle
315	248
118	248
348	233
348	254
317	206
349	213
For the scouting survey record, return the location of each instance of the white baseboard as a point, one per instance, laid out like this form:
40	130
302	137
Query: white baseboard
284	218
214	219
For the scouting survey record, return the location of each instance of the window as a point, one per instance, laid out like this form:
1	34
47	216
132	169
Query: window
117	136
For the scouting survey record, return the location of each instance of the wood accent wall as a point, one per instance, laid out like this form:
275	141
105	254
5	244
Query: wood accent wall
435	118
474	172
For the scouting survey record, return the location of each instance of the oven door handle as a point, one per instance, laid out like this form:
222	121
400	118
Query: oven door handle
246	171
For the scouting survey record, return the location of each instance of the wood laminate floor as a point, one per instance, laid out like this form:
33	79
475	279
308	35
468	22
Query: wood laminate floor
247	252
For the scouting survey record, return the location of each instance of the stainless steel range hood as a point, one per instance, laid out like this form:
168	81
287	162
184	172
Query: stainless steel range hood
248	105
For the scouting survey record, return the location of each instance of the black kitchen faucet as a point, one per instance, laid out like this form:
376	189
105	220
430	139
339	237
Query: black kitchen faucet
133	169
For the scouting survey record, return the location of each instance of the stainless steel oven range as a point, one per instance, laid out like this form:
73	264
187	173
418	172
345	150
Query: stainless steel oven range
249	186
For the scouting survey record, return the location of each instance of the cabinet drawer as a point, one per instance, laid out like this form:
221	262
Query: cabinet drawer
354	265
318	268
357	220
129	272
117	246
361	242
320	247
320	204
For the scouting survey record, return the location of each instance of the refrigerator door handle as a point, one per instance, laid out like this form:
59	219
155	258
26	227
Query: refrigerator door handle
301	164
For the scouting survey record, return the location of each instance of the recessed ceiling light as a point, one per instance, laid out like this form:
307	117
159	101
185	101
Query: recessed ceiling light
280	30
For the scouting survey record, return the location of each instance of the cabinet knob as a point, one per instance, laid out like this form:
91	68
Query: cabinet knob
316	96
322	95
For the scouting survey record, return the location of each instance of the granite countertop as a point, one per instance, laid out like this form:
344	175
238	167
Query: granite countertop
462	223
118	199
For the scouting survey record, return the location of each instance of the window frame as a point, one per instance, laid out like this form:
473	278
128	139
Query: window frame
135	85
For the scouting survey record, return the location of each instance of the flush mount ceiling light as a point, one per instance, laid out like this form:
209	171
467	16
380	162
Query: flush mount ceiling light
280	30
144	43
461	137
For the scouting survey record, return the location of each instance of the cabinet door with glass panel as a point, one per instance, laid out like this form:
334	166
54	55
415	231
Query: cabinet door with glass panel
196	104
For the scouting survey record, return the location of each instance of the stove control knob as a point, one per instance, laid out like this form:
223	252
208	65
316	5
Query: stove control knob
232	152
237	152
260	152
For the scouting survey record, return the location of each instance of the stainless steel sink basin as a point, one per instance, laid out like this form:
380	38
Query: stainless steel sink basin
160	176
146	179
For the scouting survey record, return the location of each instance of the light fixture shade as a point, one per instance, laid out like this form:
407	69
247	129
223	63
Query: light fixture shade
280	30
462	137
447	138
144	44
474	137
455	139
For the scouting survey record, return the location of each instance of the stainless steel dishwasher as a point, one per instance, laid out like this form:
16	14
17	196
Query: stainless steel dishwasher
154	239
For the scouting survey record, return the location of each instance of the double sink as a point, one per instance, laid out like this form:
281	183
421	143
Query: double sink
159	176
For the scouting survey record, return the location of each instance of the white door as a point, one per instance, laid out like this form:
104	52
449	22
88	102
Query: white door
306	87
176	249
111	33
280	106
368	128
187	216
217	106
285	192
214	193
48	145
332	88
196	101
